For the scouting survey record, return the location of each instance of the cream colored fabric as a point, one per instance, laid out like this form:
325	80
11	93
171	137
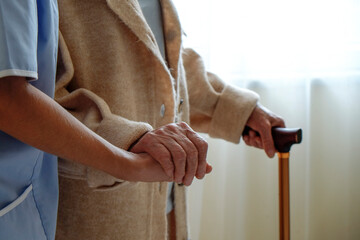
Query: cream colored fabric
112	77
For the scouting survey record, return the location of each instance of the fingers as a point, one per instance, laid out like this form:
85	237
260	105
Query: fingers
267	138
164	153
178	149
202	147
156	150
252	138
184	154
267	141
190	164
180	153
196	149
266	134
199	168
261	121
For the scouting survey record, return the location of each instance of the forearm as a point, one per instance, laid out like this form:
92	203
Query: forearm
32	117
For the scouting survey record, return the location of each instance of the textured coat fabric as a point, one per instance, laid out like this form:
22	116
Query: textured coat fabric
111	77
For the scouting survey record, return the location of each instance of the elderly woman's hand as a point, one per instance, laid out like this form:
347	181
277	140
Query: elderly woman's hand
259	126
178	149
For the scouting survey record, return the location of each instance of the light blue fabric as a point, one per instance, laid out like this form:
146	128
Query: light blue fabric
18	38
28	176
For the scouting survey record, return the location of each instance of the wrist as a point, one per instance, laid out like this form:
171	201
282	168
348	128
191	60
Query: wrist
126	166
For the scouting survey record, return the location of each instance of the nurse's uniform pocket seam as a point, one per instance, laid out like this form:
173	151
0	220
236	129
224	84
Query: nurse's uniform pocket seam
17	202
20	219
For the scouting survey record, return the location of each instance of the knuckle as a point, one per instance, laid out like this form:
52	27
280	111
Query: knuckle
183	125
190	132
204	145
172	126
281	121
160	131
279	118
266	125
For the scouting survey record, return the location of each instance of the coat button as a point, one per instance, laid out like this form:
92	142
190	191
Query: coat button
180	104
162	110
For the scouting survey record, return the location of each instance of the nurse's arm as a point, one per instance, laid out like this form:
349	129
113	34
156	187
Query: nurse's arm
31	116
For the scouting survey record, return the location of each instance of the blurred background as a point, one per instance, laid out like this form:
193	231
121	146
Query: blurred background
303	58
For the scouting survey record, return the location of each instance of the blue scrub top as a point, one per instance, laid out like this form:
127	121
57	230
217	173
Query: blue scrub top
28	176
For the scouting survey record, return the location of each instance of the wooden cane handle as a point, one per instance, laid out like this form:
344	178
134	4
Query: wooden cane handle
284	138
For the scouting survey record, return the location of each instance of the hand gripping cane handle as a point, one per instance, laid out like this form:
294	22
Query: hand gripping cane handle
284	138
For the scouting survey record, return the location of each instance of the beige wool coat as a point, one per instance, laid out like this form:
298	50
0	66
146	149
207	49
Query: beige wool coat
112	77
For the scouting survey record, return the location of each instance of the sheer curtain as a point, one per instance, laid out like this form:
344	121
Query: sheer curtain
303	58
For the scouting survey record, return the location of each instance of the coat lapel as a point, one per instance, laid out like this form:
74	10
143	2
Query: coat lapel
129	12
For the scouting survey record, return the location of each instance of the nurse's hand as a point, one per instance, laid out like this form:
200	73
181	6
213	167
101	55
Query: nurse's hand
143	168
179	150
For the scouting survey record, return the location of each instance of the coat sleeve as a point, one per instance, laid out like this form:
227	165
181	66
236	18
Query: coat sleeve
94	113
216	108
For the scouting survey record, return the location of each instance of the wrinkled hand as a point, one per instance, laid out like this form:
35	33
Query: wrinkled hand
178	149
260	122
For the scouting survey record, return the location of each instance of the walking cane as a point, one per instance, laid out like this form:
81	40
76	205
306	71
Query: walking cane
284	138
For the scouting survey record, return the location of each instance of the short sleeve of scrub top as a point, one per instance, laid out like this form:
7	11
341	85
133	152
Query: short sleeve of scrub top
28	176
18	38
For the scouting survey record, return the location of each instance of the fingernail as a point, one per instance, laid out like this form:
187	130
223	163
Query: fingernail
271	153
200	176
188	182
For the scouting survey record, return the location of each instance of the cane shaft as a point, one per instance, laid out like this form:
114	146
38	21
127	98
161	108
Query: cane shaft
284	138
284	201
